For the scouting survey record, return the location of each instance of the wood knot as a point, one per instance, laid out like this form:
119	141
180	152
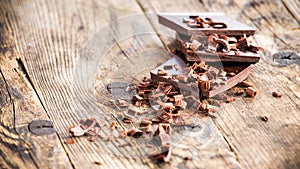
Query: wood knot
284	58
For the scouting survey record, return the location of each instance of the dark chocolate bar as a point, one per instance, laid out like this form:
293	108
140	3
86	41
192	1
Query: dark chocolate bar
178	75
246	53
218	23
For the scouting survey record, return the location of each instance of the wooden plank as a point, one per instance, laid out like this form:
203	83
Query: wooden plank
19	147
257	144
293	8
49	40
48	49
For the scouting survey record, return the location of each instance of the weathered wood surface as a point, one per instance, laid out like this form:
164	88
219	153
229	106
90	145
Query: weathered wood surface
41	43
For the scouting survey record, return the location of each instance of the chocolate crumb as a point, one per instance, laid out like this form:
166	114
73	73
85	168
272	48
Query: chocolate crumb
264	118
98	163
186	158
229	100
70	141
276	94
113	125
239	92
246	84
251	91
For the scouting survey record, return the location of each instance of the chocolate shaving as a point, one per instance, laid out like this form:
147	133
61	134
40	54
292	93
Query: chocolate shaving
250	91
113	125
161	72
239	92
98	163
276	94
165	154
135	133
84	126
70	141
230	99
145	122
246	84
165	139
264	118
123	134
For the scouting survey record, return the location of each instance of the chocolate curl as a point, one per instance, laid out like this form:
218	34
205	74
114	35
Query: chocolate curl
251	91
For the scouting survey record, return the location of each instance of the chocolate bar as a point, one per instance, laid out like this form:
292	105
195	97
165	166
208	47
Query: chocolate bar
216	48
216	23
206	81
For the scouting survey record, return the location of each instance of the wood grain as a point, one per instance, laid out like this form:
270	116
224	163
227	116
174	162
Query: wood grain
52	46
257	144
60	43
20	148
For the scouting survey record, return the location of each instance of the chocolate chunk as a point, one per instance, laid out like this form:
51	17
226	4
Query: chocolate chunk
276	94
239	92
165	139
264	118
84	126
145	122
246	84
218	23
250	91
135	133
230	99
204	87
70	141
161	72
130	114
218	50
165	154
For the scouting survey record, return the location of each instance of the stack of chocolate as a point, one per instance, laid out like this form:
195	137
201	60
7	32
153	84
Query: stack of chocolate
216	53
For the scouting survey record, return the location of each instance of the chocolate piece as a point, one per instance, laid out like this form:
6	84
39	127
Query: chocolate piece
98	163
239	92
218	21
129	89
122	103
276	94
130	114
214	49
113	125
145	122
162	128
149	128
161	72
165	154
123	134
230	99
135	133
246	84
70	141
264	118
94	131
165	139
250	91
84	126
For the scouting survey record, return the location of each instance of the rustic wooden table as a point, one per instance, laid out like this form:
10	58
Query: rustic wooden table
41	42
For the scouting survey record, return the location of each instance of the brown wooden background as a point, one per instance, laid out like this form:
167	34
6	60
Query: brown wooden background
40	41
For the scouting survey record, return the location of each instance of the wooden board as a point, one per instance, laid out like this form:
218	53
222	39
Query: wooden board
49	37
51	44
19	107
255	143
